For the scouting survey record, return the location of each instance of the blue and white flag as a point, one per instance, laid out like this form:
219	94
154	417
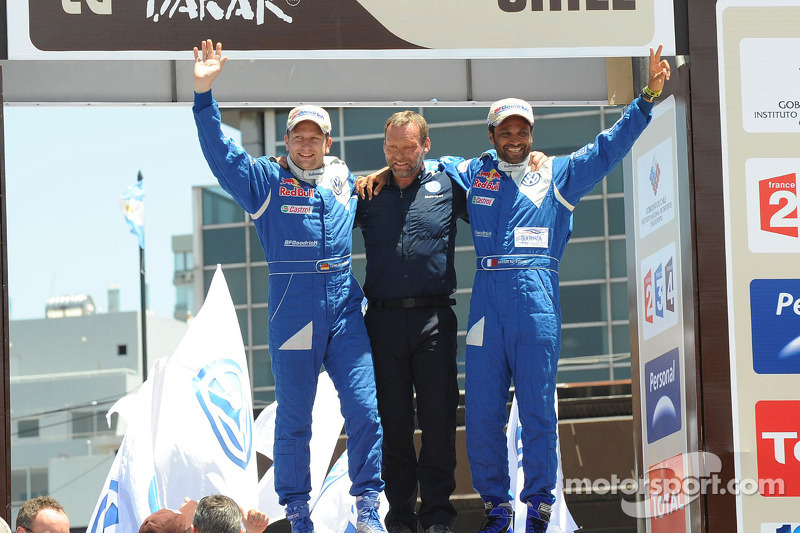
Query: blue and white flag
203	411
128	494
132	204
326	426
561	520
335	509
189	427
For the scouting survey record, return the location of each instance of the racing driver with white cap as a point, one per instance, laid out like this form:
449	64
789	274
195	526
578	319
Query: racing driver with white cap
304	220
520	223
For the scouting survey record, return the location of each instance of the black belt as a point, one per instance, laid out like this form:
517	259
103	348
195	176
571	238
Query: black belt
411	303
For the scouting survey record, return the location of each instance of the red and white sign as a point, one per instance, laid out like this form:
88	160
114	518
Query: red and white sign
667	499
778	447
772	201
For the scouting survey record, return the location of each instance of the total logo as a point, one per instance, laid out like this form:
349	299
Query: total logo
775	322
658	291
663	395
291	187
667	500
778	447
492	182
772	221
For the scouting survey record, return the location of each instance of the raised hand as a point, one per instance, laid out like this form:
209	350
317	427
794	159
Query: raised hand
659	70
208	63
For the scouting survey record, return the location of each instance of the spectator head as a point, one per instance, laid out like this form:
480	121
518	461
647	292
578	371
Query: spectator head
164	521
42	515
217	514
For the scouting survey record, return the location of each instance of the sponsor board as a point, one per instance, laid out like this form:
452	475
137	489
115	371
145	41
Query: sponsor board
663	395
780	527
374	27
775	325
667	499
656	189
658	294
770	76
778	446
773	226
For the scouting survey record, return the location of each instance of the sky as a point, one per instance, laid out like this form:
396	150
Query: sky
66	168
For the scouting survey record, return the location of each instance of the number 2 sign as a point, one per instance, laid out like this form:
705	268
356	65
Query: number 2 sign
772	205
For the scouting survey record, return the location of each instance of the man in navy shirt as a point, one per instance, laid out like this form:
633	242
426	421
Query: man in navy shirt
409	236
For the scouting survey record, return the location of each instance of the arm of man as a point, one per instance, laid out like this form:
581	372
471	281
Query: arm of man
245	178
577	174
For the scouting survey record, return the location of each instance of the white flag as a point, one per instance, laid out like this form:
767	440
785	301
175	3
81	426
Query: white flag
326	426
189	426
128	494
561	520
335	509
203	410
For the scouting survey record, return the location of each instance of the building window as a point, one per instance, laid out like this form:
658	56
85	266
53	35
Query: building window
28	428
122	349
90	423
27	483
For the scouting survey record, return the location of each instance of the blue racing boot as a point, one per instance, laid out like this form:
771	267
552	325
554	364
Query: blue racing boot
499	517
368	520
298	515
538	518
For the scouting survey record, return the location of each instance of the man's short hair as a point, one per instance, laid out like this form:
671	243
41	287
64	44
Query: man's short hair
406	118
217	514
30	510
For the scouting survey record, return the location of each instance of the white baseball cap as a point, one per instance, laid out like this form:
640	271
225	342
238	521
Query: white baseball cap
309	112
502	109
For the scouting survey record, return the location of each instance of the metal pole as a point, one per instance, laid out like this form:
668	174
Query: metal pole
143	297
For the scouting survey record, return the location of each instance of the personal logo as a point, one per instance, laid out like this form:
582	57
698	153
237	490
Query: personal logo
775	325
531	179
220	390
780	527
482	200
492	182
292	187
655	174
297	209
778	447
433	187
663	395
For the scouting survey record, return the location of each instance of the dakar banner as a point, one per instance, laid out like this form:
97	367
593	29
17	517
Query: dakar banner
96	29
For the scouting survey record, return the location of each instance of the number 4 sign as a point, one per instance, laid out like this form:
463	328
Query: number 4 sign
772	204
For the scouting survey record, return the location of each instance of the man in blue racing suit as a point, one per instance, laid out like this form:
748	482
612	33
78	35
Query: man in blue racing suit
520	226
304	220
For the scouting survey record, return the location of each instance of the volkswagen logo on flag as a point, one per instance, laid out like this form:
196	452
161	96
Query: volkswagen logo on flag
219	388
107	516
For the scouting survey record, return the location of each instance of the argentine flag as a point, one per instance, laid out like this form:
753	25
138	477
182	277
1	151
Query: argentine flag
132	204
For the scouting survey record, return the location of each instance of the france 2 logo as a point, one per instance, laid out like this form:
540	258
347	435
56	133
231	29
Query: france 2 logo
773	225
